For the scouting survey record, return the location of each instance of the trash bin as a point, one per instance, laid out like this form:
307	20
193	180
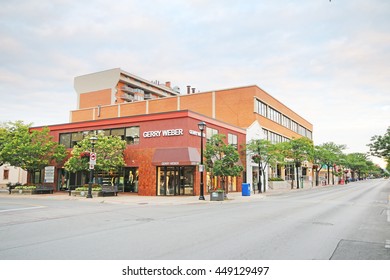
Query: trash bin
246	189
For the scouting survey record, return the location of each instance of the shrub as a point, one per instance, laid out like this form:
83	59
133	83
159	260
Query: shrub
25	187
275	179
95	188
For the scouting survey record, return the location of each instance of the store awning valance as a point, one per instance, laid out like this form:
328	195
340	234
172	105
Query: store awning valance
176	156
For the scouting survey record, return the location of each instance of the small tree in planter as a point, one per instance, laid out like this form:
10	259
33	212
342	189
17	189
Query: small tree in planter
222	160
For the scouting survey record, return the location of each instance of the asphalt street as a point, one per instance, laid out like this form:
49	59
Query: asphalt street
338	222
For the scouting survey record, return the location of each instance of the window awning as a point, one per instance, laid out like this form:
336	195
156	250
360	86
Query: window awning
176	156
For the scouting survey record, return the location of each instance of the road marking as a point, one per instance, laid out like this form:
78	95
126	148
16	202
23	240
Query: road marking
21	209
387	245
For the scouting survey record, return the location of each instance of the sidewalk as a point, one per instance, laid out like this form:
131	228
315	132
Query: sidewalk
134	199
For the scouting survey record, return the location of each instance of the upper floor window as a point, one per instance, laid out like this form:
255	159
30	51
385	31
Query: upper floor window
210	132
232	140
260	108
129	134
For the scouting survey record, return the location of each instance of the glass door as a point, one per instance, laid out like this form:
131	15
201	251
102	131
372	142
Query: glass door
175	180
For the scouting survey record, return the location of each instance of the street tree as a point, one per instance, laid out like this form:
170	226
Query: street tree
380	146
330	155
222	160
319	160
30	150
297	150
358	163
265	154
109	154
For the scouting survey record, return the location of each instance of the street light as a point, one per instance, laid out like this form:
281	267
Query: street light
93	140
201	126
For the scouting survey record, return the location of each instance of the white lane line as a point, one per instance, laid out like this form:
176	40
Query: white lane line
21	209
387	244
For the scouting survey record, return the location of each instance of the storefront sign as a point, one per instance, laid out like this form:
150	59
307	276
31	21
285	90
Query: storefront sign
164	133
196	133
49	174
164	163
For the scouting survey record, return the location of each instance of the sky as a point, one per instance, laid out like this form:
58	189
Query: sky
329	61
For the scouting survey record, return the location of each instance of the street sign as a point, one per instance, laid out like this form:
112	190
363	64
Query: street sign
91	166
92	159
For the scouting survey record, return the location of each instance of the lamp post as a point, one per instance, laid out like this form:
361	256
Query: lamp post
93	140
201	126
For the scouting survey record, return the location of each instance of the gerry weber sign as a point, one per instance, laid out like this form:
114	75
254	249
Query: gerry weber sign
164	133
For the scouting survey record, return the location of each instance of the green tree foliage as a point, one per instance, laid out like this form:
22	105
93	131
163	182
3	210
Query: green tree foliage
222	160
264	153
109	154
380	145
30	150
328	154
360	164
298	150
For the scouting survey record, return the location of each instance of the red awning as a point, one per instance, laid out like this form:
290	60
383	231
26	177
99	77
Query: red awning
176	156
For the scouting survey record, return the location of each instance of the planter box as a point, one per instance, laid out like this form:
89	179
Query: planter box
30	192
279	185
85	193
217	196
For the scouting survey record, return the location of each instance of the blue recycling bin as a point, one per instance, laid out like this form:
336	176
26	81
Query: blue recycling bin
246	189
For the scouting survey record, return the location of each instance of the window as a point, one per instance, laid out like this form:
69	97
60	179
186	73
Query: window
210	132
5	174
118	132
265	132
232	140
76	137
260	108
286	122
301	130
274	115
132	135
65	139
294	126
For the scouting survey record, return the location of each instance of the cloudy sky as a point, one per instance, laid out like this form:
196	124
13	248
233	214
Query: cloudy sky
328	61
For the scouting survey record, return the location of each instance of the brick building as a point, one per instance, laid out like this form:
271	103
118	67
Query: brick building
162	153
247	107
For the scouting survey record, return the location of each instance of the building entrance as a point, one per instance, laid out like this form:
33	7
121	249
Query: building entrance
175	180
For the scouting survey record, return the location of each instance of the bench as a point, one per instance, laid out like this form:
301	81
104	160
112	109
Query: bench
43	190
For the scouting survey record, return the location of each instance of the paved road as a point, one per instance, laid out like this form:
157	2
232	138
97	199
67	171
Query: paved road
339	222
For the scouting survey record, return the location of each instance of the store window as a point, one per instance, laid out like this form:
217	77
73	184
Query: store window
76	137
120	132
65	139
132	135
175	180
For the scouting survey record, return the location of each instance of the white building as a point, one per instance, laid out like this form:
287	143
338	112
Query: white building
11	174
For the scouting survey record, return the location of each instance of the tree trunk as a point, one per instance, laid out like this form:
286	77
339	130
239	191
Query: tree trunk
328	174
332	175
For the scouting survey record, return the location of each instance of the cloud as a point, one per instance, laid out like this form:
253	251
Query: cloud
327	61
